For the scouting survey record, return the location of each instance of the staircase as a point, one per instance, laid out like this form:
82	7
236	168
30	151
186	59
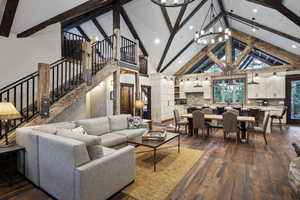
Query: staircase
66	74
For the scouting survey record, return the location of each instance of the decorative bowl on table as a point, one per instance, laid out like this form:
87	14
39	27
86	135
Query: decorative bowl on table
155	135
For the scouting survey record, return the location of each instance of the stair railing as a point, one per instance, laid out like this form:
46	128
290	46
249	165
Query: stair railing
128	49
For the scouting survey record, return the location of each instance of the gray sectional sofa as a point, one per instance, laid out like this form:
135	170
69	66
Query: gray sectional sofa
63	167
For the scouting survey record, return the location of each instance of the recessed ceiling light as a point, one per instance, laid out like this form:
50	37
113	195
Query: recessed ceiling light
157	41
254	30
294	46
255	10
180	61
191	27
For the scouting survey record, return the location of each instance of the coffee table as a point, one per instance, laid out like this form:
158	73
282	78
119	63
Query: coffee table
154	145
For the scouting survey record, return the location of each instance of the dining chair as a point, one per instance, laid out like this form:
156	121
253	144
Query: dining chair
179	122
260	130
255	112
237	112
230	124
279	117
199	122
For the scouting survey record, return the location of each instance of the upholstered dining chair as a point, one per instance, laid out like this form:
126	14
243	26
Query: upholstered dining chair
199	122
237	112
260	130
230	124
255	112
279	117
179	122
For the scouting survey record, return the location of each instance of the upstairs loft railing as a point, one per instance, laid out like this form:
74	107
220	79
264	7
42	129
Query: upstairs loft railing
66	74
103	53
71	45
128	50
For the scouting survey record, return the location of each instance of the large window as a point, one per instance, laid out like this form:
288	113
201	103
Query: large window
229	91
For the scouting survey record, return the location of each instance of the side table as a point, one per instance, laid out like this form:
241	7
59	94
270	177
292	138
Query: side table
8	163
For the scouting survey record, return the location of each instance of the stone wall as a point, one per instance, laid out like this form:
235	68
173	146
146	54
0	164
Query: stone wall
196	98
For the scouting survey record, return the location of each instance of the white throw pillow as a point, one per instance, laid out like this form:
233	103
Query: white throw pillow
79	130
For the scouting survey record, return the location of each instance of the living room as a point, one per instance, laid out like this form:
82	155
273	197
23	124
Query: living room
149	99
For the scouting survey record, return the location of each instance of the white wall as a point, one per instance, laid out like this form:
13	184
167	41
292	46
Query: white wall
20	56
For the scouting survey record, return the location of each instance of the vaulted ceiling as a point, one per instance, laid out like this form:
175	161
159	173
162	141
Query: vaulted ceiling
149	23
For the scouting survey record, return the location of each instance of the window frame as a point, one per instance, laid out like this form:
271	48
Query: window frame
243	79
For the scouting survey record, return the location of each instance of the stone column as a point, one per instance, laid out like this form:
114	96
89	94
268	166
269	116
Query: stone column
87	62
117	92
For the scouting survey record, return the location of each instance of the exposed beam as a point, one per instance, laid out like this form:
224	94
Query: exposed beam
208	26
8	17
228	52
199	6
68	15
178	54
100	29
133	31
267	47
214	21
176	27
244	53
83	34
216	60
167	18
248	21
116	16
221	5
277	5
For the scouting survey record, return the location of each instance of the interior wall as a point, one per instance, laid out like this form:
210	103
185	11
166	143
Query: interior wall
20	56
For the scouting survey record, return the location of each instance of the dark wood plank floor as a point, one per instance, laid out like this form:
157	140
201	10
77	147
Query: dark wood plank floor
225	171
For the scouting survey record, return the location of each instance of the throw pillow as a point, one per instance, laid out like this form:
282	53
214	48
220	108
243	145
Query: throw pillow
135	122
89	140
79	130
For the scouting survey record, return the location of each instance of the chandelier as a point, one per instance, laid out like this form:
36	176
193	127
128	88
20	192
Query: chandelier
172	3
213	35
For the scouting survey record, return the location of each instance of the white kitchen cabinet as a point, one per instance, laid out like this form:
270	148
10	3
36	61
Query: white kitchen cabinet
207	90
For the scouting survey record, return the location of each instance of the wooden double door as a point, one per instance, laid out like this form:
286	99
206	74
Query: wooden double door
127	100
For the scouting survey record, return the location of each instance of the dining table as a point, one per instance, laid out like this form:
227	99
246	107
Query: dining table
242	119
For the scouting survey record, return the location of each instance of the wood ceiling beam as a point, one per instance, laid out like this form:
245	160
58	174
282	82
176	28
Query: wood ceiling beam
266	28
228	52
8	17
186	20
241	57
175	30
133	30
100	29
116	16
77	11
221	5
267	47
167	18
278	5
83	34
216	60
177	55
208	26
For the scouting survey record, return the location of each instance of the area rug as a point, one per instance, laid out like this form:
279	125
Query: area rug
171	167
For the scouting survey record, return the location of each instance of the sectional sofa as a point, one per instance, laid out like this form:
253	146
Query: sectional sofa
63	167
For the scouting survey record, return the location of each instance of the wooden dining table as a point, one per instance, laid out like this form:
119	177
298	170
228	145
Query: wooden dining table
242	119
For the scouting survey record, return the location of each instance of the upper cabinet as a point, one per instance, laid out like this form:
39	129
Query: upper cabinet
268	87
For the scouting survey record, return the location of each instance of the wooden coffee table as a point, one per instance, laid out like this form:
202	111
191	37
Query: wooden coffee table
155	144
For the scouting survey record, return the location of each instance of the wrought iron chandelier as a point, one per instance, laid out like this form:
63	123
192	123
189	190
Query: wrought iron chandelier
172	3
213	35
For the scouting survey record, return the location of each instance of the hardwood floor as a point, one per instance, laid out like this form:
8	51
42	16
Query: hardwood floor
225	171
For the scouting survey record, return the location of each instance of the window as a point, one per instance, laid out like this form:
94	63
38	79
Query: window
214	68
229	91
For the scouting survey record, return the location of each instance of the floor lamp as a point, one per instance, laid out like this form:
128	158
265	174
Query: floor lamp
8	112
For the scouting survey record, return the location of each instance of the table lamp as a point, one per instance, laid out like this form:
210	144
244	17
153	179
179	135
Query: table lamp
8	112
139	104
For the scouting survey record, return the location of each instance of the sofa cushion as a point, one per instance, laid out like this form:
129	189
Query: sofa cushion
131	133
92	142
111	139
96	126
118	122
54	127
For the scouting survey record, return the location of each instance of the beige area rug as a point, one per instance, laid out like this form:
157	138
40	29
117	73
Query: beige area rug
171	167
